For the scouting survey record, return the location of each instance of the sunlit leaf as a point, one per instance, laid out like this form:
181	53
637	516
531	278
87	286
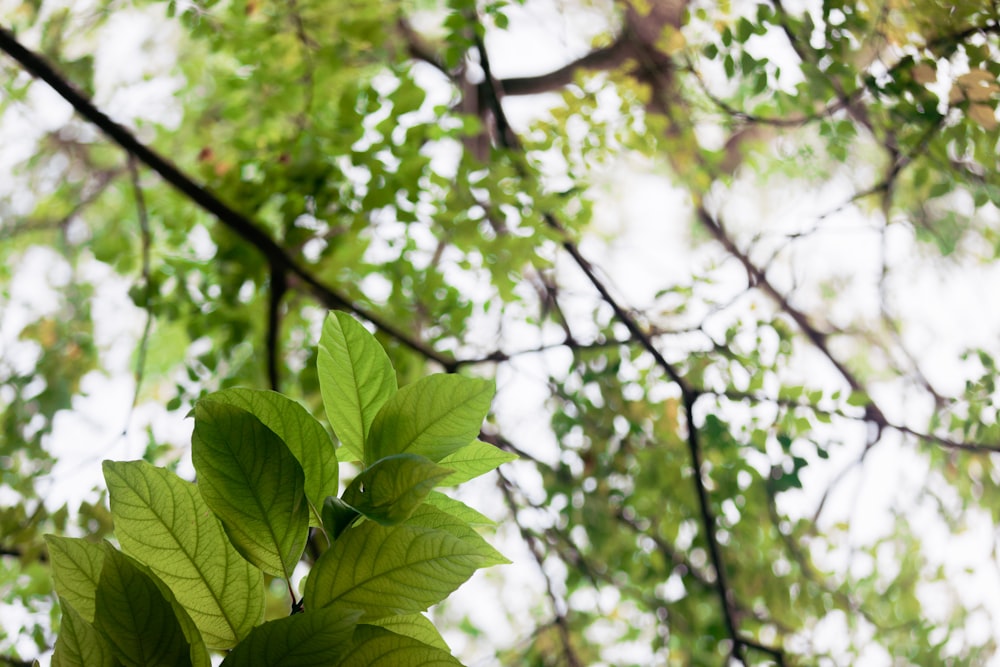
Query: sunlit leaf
433	417
162	521
386	571
76	568
378	647
475	459
417	626
355	377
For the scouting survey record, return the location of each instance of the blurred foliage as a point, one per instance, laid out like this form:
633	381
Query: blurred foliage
364	139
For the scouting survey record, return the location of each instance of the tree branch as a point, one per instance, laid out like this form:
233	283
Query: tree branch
690	396
206	200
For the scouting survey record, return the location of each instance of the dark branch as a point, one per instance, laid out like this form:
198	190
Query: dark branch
235	221
602	59
279	285
509	141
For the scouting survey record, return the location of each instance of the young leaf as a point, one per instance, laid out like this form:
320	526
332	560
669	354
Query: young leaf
140	620
162	521
377	647
429	516
76	569
398	570
79	643
458	509
251	481
305	437
316	638
355	378
393	487
417	626
475	459
435	416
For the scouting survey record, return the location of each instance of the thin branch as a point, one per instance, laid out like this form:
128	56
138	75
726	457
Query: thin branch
278	287
147	286
559	615
509	141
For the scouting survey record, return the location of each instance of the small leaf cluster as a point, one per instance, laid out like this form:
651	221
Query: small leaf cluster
189	576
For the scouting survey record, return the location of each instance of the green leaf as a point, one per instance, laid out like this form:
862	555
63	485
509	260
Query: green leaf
305	437
430	516
434	417
458	509
393	487
79	643
162	521
337	516
475	459
252	482
404	569
377	647
140	619
417	626
317	638
858	398
355	377
76	569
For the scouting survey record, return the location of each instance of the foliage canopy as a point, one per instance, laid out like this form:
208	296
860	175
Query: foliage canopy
731	265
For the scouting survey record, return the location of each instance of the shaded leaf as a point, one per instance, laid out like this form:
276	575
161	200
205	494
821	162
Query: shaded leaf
140	620
79	643
317	638
337	516
389	490
252	482
305	437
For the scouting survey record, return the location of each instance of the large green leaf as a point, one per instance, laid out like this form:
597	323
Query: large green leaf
162	520
404	569
435	416
253	484
316	638
417	626
355	377
79	643
141	620
377	647
76	569
305	437
475	459
389	490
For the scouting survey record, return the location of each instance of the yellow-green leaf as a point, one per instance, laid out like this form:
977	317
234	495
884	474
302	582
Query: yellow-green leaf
162	521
